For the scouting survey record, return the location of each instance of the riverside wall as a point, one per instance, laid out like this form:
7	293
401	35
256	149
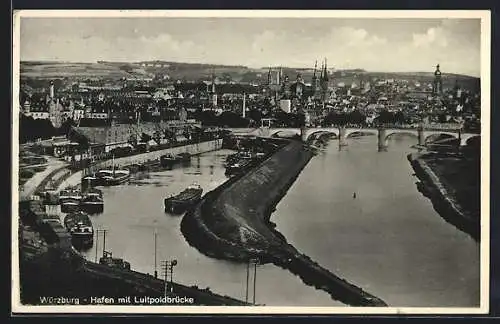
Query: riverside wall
233	222
431	187
192	149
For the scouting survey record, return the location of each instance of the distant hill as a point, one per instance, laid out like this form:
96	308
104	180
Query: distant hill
196	72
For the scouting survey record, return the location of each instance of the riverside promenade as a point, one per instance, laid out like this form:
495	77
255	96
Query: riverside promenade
30	186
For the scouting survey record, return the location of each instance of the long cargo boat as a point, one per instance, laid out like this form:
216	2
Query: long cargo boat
92	201
69	199
184	200
168	160
239	167
80	227
113	177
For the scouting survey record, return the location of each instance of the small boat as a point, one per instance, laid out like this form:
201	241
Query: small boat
108	260
113	177
69	199
92	201
90	181
183	157
238	167
80	227
168	160
184	200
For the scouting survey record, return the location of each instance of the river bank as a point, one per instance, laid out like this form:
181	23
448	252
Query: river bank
457	203
232	223
150	160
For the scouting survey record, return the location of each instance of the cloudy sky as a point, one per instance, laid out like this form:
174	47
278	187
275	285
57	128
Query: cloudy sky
372	44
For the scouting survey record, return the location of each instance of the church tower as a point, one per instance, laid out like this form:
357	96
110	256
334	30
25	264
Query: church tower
213	93
437	87
315	81
324	83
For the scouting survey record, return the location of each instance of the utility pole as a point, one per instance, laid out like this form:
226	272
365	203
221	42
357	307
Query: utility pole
248	275
155	235
168	267
250	262
254	278
103	231
96	244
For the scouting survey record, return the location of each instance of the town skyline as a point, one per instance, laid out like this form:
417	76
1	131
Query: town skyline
375	45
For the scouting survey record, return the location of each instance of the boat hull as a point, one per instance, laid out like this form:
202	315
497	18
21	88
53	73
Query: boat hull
183	201
82	242
168	162
81	229
92	207
114	181
70	205
177	207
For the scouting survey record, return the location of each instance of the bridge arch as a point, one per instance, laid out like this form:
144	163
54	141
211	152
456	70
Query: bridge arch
349	132
310	135
275	132
404	133
468	139
428	137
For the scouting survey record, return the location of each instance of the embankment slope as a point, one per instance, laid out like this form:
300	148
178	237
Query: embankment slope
232	222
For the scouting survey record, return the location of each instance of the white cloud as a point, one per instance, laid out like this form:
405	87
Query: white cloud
435	36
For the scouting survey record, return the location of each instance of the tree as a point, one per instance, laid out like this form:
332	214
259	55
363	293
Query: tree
208	118
335	118
132	140
399	117
356	117
157	137
145	138
231	119
385	117
255	115
442	118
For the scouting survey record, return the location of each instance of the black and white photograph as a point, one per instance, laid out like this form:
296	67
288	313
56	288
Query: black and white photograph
325	162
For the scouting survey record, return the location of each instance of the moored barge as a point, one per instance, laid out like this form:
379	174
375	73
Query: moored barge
184	200
80	227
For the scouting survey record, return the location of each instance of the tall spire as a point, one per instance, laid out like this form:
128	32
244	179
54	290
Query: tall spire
315	67
326	71
213	81
269	77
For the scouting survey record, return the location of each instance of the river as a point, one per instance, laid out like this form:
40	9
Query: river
388	240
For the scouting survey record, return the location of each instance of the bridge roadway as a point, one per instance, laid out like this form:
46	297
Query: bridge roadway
424	134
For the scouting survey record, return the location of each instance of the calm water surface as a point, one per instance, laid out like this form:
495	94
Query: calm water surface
132	213
388	240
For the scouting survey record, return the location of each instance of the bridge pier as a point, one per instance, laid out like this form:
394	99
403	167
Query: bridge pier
303	134
342	137
421	136
382	140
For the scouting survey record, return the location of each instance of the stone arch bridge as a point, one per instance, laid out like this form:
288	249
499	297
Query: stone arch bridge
383	134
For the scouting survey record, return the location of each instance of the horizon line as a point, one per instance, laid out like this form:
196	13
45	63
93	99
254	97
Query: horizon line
238	65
